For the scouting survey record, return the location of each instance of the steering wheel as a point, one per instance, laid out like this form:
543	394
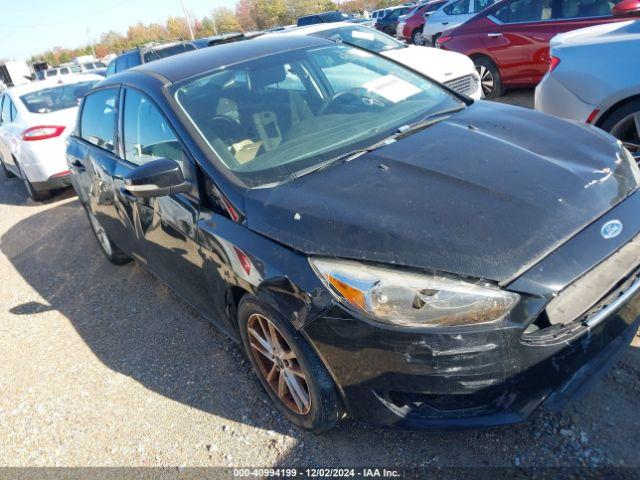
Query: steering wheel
353	98
225	128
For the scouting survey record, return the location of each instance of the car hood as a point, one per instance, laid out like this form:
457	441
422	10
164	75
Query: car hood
441	65
608	32
486	193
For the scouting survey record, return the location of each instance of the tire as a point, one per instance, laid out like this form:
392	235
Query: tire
36	195
110	249
6	171
416	37
321	412
624	124
490	80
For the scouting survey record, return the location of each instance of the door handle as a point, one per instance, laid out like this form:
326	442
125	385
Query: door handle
494	35
77	166
445	23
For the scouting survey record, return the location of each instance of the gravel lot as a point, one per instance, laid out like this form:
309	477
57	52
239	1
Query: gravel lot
103	365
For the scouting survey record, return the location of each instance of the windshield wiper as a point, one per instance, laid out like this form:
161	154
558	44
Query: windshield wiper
425	122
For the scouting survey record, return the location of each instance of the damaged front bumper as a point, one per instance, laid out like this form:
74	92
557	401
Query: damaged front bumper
481	376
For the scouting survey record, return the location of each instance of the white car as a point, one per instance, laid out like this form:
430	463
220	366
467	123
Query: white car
450	15
595	78
35	120
449	68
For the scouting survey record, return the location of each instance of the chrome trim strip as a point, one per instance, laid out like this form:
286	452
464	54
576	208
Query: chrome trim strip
618	303
497	21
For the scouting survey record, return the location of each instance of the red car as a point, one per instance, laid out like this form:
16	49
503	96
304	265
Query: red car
509	41
410	25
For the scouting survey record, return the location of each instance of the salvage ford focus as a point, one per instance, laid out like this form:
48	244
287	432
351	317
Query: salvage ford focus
379	244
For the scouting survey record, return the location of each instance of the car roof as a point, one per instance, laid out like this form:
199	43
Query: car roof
188	64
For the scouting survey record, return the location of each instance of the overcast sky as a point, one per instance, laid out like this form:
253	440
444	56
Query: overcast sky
32	26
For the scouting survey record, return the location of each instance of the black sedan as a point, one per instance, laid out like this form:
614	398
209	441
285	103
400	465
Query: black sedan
377	243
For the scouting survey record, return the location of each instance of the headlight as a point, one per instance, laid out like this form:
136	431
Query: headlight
414	300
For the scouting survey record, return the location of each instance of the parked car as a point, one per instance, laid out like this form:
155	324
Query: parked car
91	67
379	267
389	23
145	54
608	56
410	25
449	16
326	17
454	70
509	41
35	121
58	72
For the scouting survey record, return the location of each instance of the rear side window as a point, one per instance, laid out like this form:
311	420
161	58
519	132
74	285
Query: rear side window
461	7
479	5
52	73
147	135
6	110
98	121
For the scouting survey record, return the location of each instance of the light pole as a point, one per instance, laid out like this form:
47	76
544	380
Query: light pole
186	17
91	44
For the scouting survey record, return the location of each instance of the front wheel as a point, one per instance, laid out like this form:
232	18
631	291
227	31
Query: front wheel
489	78
289	370
110	250
624	124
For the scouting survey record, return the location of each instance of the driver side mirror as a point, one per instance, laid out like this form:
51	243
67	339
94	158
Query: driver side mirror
157	178
626	8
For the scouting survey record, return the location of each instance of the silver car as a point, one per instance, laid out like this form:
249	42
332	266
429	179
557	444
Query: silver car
450	15
594	78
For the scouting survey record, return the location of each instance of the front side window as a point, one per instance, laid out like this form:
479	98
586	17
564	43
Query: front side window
147	135
524	11
56	98
264	131
568	9
52	73
461	7
64	71
111	69
97	124
362	37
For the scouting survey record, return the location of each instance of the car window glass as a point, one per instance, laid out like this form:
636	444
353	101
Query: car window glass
56	98
111	69
394	14
14	112
98	118
6	110
52	73
524	11
147	135
268	128
362	37
431	8
567	9
64	71
1	102
479	5
461	7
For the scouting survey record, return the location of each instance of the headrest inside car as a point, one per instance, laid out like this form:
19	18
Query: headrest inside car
268	76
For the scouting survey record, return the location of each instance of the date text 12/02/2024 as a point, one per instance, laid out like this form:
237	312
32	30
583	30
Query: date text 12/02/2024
317	472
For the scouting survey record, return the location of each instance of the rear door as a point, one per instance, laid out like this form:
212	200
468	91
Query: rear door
519	43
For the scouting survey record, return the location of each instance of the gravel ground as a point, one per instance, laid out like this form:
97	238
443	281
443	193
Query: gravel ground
104	366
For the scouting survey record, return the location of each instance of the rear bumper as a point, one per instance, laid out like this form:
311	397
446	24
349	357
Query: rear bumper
53	183
552	97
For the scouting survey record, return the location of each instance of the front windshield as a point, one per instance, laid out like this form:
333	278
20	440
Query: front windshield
271	117
362	37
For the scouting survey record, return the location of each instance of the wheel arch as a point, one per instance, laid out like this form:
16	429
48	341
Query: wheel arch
604	116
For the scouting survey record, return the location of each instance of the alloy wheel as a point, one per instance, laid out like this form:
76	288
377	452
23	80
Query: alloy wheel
101	234
418	39
486	79
627	131
278	364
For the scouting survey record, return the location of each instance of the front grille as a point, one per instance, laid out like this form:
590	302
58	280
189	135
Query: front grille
586	294
465	85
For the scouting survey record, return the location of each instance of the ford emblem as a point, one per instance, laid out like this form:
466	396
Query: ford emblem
611	229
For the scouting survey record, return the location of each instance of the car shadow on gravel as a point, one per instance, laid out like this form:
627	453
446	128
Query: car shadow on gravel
137	327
